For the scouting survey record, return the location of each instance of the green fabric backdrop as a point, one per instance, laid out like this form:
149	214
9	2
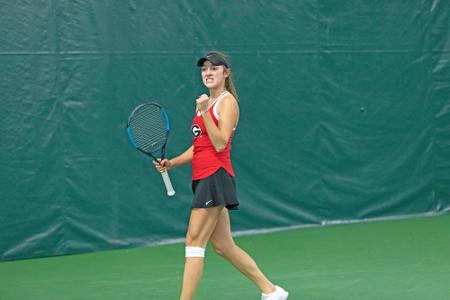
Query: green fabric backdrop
345	115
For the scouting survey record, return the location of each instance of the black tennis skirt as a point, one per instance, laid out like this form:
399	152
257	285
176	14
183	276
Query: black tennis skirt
215	190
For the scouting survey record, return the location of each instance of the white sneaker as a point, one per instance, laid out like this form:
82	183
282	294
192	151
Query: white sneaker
278	294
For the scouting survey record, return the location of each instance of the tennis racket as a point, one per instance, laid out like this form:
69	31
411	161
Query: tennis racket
148	130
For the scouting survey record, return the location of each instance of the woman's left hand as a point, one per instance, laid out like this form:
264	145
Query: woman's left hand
202	103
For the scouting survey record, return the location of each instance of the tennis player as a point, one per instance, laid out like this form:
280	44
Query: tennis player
213	181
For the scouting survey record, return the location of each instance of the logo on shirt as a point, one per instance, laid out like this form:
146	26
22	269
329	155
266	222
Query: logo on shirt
196	130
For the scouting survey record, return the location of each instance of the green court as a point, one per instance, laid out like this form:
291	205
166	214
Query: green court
389	260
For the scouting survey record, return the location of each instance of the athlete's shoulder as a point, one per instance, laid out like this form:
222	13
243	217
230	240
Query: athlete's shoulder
229	99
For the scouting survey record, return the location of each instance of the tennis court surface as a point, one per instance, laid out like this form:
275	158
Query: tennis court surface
383	260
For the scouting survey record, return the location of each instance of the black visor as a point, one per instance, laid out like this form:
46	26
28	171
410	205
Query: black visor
214	58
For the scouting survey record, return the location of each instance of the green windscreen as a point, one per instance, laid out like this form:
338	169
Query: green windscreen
345	115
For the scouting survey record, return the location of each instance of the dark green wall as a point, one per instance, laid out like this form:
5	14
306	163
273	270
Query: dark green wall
345	114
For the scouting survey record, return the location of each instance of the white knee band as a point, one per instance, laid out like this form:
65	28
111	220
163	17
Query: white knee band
195	252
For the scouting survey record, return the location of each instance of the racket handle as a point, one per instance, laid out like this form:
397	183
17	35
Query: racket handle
168	183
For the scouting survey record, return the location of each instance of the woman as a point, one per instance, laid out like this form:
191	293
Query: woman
213	182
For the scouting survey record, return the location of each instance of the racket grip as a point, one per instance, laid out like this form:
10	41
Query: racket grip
168	183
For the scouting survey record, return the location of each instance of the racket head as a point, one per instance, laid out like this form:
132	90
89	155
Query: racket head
148	128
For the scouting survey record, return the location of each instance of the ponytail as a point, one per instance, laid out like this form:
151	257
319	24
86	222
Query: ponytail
229	86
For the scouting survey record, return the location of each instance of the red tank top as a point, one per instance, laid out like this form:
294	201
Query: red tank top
206	160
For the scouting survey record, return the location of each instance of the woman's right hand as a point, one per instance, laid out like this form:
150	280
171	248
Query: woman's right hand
162	165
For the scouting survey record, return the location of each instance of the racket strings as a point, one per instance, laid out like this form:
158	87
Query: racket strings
148	127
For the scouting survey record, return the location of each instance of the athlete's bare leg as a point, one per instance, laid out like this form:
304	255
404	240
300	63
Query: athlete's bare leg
201	225
224	245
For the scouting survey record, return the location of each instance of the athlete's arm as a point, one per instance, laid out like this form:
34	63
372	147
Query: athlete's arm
182	159
228	111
